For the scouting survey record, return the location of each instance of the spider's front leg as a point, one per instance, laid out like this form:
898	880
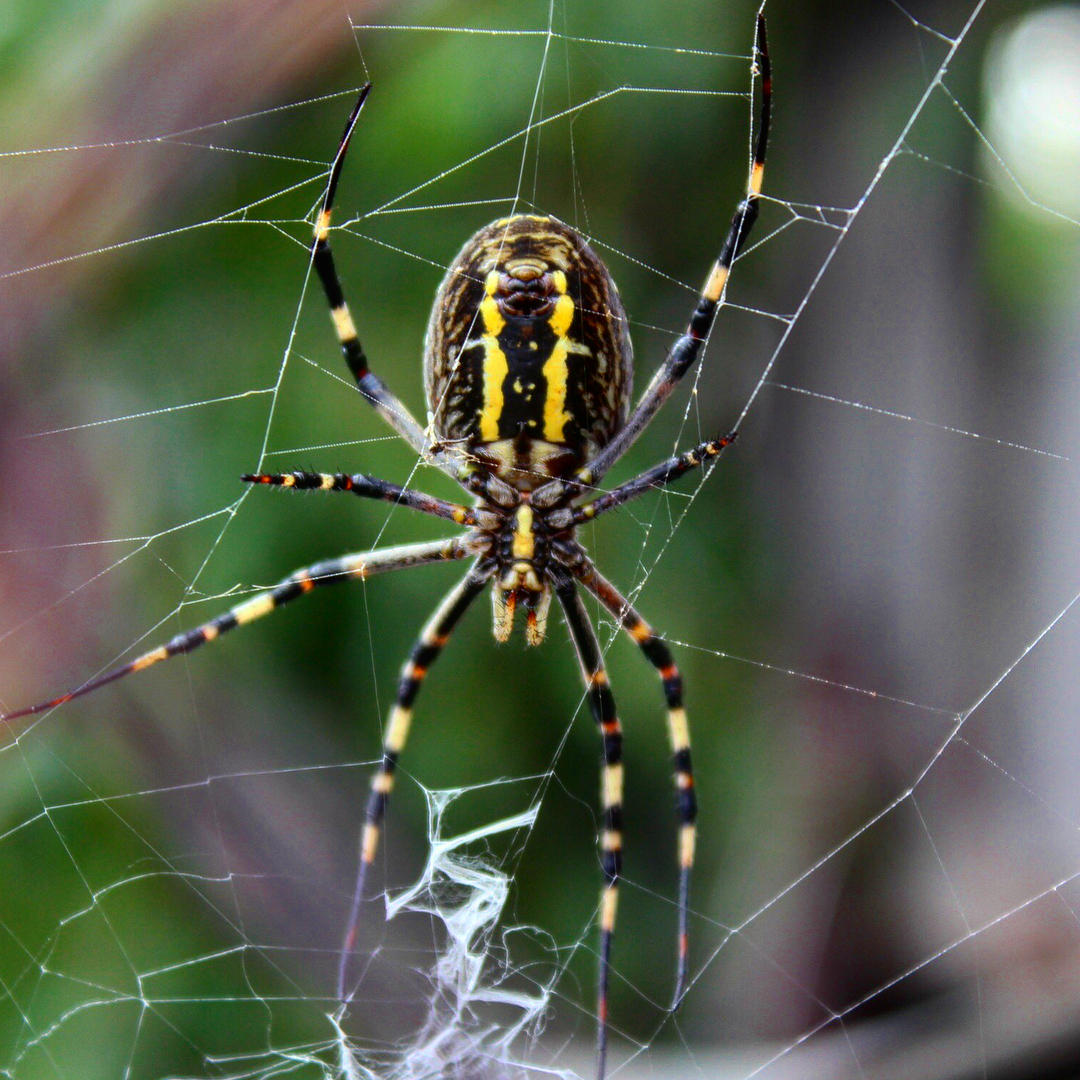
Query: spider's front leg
688	347
371	487
386	403
389	407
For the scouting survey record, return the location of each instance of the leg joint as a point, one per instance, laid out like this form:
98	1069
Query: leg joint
612	864
376	805
687	805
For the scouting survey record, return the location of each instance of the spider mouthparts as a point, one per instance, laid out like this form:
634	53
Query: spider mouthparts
536	621
518	584
503	605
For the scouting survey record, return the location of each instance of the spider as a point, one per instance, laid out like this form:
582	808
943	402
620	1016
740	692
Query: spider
528	371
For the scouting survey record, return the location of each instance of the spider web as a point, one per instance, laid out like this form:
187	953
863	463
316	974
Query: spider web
872	597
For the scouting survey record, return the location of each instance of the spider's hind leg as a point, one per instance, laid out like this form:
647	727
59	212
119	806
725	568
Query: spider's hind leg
602	706
659	655
425	652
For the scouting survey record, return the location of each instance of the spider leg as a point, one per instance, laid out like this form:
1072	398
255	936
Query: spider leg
355	566
424	653
386	404
659	655
602	705
667	472
370	487
687	348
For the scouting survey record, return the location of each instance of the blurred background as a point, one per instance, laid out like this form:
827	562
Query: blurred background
889	782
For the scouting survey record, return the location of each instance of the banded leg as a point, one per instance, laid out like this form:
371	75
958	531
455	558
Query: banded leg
686	350
352	567
371	386
424	653
667	472
602	705
659	655
371	487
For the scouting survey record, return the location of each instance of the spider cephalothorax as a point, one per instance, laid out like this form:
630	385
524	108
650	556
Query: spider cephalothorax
528	372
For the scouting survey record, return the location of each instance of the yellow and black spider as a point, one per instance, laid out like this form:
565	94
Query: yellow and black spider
528	370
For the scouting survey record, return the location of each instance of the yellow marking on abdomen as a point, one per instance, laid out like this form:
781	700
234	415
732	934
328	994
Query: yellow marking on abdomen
322	225
556	370
496	367
563	315
526	269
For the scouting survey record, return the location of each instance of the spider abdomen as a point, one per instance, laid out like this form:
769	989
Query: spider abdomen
528	362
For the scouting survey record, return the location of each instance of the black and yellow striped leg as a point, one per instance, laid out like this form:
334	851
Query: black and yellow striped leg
425	652
370	487
371	386
602	705
688	347
354	567
667	472
389	407
659	655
